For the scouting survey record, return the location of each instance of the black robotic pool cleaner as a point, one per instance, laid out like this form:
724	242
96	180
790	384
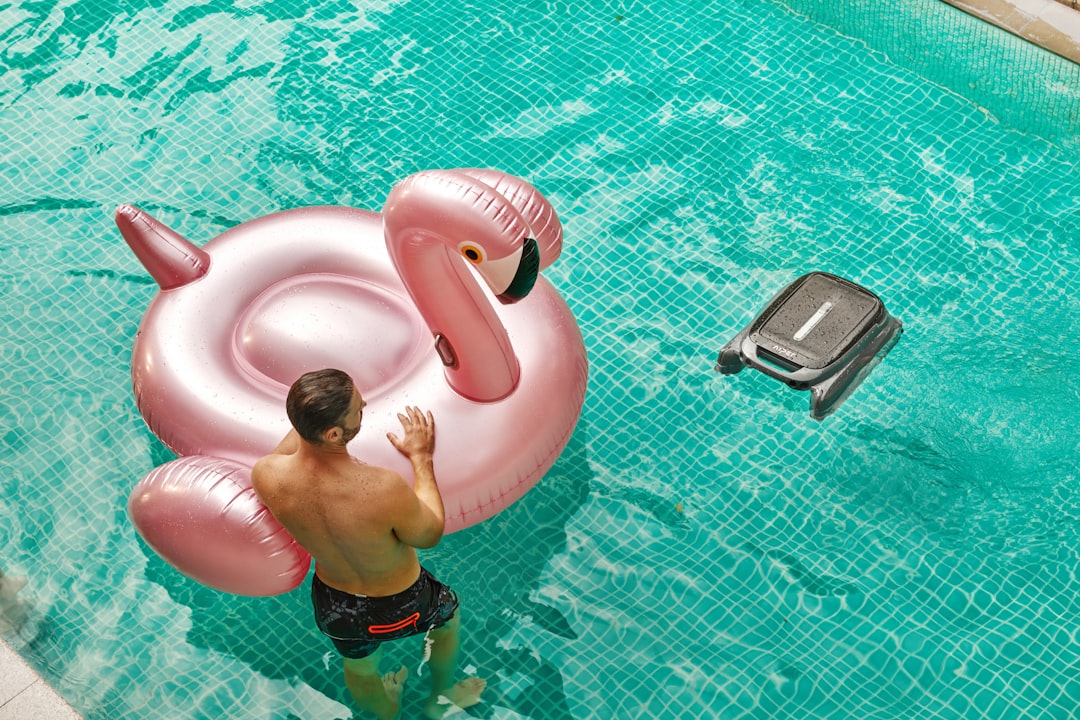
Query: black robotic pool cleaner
820	332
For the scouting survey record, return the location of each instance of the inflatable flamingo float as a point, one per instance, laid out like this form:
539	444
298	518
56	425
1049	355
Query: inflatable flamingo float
394	300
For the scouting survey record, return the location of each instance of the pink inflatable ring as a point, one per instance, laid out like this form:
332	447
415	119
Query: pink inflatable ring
394	300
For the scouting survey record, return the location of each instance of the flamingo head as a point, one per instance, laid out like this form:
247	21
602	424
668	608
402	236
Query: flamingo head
511	277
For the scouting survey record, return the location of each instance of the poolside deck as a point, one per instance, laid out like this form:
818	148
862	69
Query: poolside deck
23	694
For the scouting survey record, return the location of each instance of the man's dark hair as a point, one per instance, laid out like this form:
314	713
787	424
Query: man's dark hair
318	401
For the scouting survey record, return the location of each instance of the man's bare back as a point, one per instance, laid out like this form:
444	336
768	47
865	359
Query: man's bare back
360	522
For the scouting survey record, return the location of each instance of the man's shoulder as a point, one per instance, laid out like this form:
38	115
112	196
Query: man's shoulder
378	472
268	472
267	464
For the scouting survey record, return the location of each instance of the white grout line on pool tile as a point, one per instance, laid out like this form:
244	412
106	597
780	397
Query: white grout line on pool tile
23	694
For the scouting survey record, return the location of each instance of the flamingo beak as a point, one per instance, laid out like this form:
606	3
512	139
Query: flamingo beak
528	269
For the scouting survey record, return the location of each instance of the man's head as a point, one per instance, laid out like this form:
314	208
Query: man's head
325	407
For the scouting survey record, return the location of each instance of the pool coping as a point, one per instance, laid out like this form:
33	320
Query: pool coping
25	694
1050	24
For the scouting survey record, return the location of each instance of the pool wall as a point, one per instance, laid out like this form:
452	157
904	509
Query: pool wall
1032	87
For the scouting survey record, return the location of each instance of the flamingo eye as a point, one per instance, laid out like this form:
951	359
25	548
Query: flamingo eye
472	253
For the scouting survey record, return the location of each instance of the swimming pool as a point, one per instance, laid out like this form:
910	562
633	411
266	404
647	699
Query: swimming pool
702	548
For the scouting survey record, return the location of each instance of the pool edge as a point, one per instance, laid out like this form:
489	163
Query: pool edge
25	694
1047	23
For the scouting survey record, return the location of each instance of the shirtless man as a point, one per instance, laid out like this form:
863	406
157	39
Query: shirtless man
362	524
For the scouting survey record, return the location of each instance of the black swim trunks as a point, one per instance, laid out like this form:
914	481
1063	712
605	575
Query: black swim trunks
357	624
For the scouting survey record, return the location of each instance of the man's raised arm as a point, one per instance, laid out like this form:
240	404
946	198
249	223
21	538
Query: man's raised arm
418	445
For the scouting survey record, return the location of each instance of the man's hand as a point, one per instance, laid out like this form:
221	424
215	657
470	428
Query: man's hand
419	441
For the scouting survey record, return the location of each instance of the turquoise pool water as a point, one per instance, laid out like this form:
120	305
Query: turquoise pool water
702	548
